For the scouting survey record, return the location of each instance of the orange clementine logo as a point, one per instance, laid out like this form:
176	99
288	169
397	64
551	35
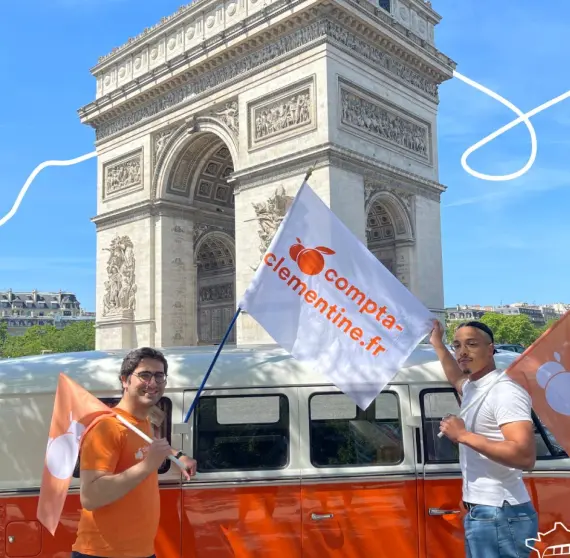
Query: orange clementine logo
310	260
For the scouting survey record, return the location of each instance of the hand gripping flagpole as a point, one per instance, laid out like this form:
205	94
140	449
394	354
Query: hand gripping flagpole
221	345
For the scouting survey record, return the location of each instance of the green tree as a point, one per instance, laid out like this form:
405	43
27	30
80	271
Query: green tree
450	327
3	337
548	325
78	336
515	329
511	329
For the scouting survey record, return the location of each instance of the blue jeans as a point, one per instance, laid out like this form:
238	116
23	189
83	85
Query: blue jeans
492	532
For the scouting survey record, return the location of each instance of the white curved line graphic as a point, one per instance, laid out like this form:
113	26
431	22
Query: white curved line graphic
523	117
36	171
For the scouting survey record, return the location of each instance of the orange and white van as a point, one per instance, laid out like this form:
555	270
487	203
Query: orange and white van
288	466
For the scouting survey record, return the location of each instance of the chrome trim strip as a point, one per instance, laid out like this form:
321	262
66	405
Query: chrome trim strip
298	481
437	475
214	485
35	490
294	481
447	475
339	479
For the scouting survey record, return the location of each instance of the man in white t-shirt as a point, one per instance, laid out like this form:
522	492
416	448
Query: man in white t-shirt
496	441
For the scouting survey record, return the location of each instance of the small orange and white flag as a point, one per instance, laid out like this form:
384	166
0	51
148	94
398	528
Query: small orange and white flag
544	371
75	409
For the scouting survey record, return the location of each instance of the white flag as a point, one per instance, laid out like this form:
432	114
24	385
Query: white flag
326	299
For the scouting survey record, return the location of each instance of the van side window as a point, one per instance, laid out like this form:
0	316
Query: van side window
546	445
435	404
162	431
242	433
342	435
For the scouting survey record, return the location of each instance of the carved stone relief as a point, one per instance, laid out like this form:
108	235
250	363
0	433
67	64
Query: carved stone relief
229	115
160	139
285	113
374	119
216	293
124	174
269	216
323	28
120	287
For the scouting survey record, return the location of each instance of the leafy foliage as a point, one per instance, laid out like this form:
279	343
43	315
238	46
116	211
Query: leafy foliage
3	335
78	336
514	329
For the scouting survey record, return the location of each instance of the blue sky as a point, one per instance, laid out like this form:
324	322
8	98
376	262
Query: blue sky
502	241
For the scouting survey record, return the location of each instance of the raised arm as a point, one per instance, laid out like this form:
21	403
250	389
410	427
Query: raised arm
452	371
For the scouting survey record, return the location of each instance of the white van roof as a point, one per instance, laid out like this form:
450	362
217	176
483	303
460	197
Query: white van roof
236	367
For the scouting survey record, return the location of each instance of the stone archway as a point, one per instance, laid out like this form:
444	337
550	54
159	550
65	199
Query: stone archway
380	235
192	183
389	234
215	263
229	76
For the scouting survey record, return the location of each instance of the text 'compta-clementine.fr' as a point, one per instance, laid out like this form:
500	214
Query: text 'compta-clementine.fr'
311	261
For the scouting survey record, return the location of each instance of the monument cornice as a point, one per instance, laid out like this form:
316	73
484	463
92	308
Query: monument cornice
193	11
329	154
118	112
127	214
158	208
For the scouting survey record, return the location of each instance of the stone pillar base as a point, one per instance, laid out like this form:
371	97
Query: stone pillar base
115	331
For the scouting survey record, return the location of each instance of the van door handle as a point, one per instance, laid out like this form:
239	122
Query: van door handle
437	511
321	516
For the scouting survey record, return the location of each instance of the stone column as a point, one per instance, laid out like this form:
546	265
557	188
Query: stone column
175	290
260	210
116	330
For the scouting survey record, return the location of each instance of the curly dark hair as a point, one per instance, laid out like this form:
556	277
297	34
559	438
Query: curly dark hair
134	358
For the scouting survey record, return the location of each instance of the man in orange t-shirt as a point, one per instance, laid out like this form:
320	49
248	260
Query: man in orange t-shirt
119	471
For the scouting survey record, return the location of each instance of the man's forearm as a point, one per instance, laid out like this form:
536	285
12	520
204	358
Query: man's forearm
505	452
108	488
449	364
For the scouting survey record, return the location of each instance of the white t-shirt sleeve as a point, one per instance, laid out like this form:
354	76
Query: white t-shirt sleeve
511	403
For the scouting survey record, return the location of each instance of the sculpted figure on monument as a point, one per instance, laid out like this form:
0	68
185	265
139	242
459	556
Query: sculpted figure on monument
229	115
123	176
374	119
282	115
120	288
269	215
160	141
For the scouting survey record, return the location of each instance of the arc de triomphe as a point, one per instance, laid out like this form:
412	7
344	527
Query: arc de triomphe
206	124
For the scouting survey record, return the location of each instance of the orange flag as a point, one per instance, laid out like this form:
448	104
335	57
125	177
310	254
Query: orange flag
75	409
544	371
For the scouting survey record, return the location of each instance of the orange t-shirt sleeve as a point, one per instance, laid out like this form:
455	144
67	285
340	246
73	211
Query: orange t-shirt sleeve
101	447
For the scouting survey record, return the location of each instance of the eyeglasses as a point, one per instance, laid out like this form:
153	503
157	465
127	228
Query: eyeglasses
470	345
146	377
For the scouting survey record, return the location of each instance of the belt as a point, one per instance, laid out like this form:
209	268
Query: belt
469	505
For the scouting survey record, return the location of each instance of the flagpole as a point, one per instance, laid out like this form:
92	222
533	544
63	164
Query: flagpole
147	438
220	346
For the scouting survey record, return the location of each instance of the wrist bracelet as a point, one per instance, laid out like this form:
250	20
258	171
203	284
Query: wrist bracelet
180	454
